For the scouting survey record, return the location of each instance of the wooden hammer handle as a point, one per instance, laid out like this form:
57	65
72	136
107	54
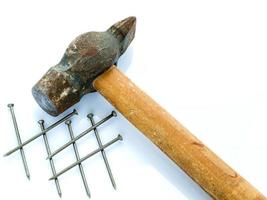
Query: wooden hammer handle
200	163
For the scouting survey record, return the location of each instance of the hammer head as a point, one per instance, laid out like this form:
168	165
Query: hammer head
88	56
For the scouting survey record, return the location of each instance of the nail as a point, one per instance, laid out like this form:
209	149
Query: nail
91	117
68	123
11	108
113	114
74	112
119	137
52	165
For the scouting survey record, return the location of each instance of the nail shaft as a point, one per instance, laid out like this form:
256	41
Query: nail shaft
74	112
119	137
113	114
11	108
68	123
91	117
48	150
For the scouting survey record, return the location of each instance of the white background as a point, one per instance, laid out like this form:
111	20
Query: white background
203	61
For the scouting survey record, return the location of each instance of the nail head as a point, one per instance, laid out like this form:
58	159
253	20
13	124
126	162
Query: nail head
120	137
68	122
114	113
10	105
90	115
41	122
75	111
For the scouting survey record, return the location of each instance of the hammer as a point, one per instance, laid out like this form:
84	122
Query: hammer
88	66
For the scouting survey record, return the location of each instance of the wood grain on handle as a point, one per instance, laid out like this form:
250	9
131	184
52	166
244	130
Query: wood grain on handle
200	163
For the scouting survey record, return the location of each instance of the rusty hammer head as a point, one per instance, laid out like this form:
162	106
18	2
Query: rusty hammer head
88	56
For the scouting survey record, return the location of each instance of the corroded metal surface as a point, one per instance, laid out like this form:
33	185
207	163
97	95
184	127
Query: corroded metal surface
88	56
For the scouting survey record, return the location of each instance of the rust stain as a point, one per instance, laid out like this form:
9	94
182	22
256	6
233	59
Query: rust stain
89	52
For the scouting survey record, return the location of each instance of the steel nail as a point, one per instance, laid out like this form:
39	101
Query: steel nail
74	112
52	165
113	114
68	123
91	117
119	137
11	108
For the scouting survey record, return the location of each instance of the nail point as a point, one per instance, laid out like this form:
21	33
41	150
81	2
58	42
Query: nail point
115	188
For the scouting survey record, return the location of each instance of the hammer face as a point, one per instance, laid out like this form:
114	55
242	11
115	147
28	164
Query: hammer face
54	93
88	56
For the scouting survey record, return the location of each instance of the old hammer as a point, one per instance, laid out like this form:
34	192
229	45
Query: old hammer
88	66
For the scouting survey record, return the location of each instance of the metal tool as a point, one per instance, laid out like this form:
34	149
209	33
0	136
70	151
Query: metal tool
113	114
88	56
52	165
103	153
68	123
72	141
119	137
87	66
74	112
11	108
